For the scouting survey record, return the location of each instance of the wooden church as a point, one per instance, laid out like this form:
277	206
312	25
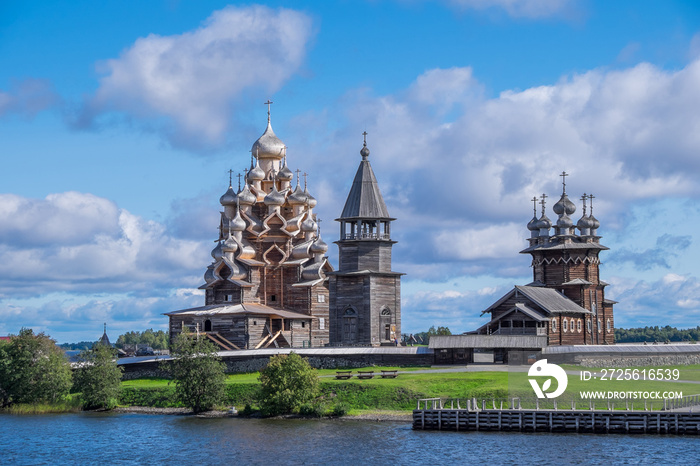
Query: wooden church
267	285
566	300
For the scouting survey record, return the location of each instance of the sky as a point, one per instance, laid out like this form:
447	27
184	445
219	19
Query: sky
119	121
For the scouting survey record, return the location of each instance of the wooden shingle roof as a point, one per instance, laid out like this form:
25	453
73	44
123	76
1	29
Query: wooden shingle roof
365	200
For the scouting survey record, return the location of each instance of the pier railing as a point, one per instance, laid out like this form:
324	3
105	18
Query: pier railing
688	401
515	403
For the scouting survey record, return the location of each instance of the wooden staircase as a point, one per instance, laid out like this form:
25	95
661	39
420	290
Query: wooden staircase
221	341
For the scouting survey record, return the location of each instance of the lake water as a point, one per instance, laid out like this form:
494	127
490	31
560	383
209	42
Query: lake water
90	438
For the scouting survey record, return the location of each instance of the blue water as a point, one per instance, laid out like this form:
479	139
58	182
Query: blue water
90	438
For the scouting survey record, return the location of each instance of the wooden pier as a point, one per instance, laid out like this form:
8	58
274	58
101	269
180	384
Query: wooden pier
432	415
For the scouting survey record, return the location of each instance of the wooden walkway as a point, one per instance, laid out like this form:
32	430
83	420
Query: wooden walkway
436	417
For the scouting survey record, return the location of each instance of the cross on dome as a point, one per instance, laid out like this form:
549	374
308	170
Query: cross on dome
268	103
563	181
543	202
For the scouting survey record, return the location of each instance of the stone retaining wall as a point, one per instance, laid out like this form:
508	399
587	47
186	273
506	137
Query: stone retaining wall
244	364
640	361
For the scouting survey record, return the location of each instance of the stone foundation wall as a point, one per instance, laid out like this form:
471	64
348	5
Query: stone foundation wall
237	364
640	361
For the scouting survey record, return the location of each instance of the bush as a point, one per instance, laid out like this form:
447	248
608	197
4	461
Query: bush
314	409
340	409
33	370
286	383
198	373
99	378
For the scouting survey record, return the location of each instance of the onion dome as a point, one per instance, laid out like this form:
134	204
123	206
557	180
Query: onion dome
256	173
532	224
544	222
564	222
245	197
268	145
209	274
217	252
584	224
595	224
310	200
564	206
285	174
229	245
364	152
297	197
319	246
275	198
309	224
237	223
229	197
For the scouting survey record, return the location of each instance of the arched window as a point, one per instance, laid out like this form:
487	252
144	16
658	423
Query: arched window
564	325
385	311
588	325
600	327
207	325
554	325
608	327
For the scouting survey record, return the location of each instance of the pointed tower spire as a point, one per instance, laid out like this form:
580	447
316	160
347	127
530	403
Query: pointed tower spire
365	200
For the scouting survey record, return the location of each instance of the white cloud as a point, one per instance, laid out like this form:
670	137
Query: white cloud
497	241
196	79
83	243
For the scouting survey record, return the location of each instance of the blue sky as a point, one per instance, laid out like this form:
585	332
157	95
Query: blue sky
120	119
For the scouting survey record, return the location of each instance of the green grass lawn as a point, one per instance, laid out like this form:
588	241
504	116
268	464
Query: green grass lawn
402	392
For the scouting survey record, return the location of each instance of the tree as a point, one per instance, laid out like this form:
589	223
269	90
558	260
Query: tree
432	331
287	382
99	378
155	339
33	369
198	372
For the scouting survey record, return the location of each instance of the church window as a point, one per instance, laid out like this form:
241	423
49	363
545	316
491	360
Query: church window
349	312
588	325
321	323
386	311
554	325
608	326
578	325
573	324
600	328
564	325
207	325
321	298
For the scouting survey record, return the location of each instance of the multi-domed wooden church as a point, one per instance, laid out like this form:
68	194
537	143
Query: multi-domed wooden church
566	299
268	284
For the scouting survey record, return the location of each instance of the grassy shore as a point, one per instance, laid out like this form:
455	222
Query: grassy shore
399	395
72	405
